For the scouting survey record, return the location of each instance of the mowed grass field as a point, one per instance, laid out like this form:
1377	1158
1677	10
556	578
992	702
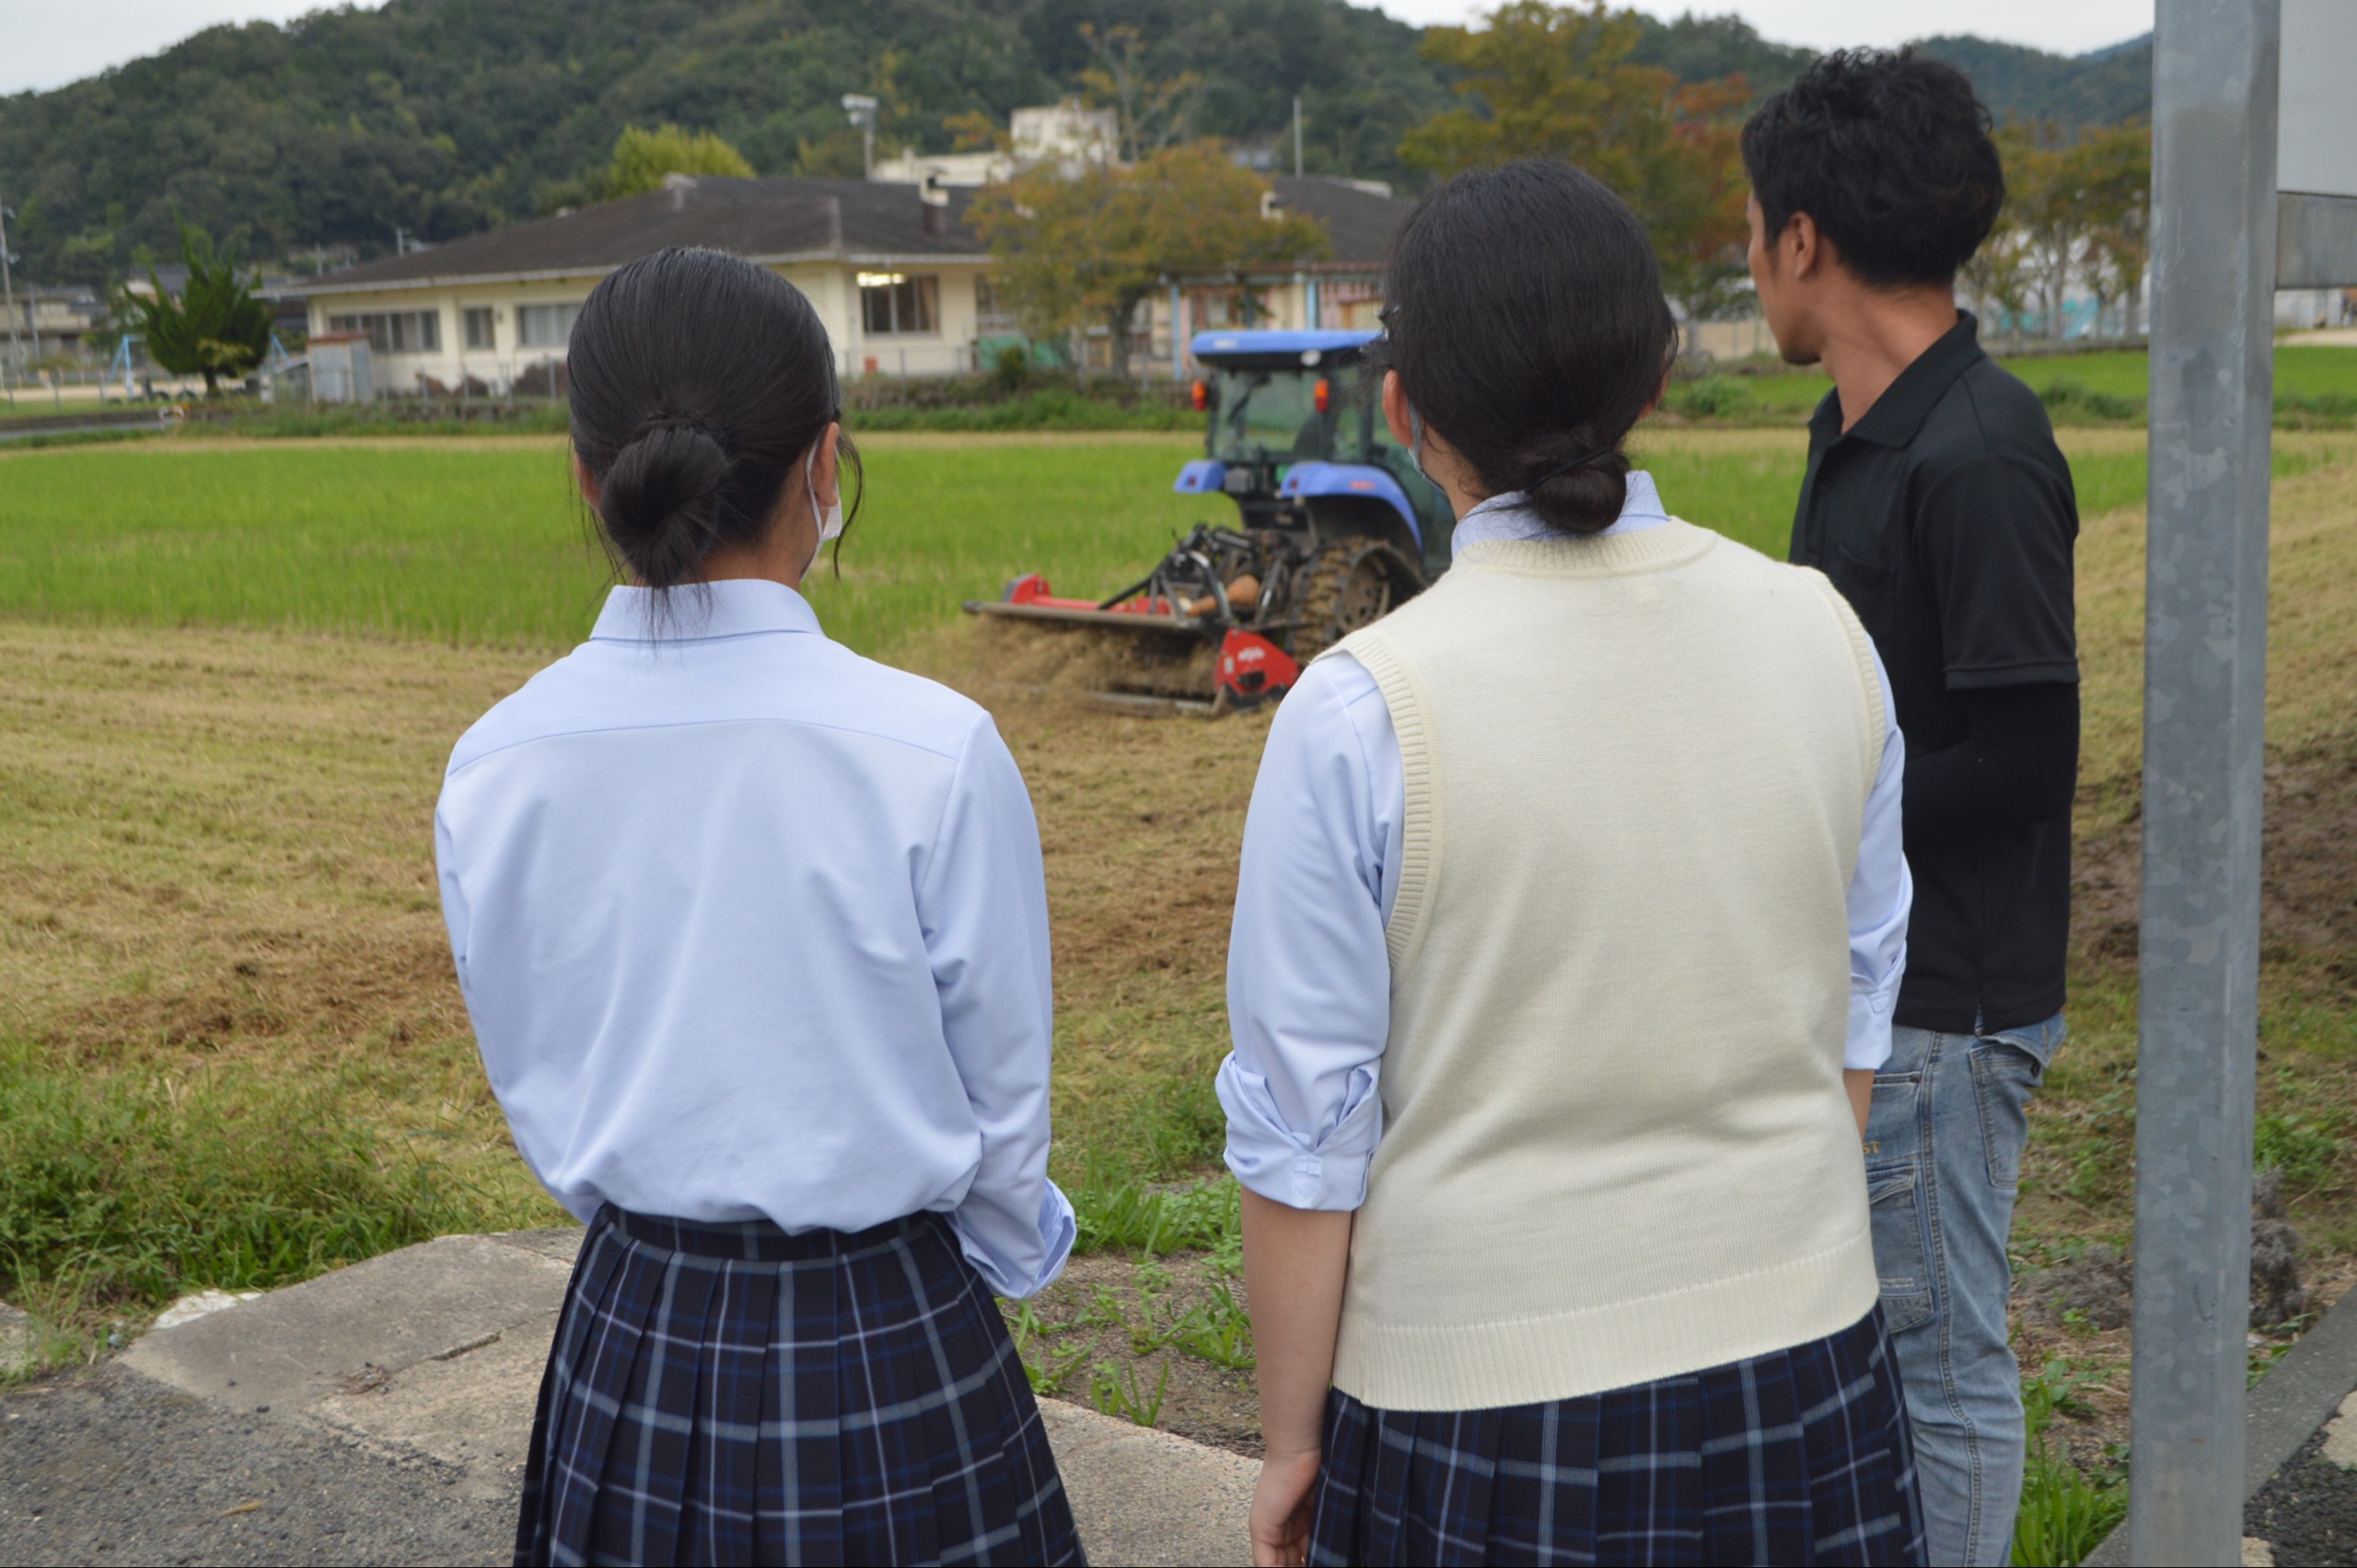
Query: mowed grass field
232	1053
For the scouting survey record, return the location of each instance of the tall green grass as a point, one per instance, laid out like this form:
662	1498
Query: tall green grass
125	1188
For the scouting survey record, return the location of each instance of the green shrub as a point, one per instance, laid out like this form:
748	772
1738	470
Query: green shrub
128	1189
1709	397
2303	409
2065	397
2305	1155
1052	408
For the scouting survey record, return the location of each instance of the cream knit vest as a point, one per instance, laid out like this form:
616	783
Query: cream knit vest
1616	1145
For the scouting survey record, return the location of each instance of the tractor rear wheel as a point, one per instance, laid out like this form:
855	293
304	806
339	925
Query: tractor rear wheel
1347	584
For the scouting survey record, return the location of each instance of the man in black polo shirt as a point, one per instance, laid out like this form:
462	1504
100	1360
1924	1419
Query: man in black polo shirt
1936	500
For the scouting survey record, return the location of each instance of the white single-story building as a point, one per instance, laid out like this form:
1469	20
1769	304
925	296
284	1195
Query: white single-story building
900	282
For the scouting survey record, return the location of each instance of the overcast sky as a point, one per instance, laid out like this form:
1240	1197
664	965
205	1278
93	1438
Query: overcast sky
44	43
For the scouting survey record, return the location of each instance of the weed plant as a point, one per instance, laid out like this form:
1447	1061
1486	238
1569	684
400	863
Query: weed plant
1133	1216
1118	1392
2065	1511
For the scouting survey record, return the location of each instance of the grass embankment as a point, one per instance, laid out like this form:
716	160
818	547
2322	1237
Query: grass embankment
231	672
2316	387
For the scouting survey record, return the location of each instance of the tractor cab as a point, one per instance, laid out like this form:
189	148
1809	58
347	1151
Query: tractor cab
1296	439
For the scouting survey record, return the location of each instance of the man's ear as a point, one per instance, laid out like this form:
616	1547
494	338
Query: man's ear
1803	244
1395	409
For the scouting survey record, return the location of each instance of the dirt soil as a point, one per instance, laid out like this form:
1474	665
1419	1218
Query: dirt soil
1099	1337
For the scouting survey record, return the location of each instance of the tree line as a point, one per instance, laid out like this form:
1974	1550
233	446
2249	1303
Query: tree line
445	117
1542	80
1075	250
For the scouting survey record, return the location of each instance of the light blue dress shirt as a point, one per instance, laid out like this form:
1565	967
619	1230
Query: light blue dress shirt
750	926
1309	976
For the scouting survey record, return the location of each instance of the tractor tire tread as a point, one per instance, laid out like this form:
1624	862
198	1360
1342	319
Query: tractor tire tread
1325	575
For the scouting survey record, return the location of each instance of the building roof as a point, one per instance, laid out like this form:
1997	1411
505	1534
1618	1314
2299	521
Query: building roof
789	219
766	220
1359	222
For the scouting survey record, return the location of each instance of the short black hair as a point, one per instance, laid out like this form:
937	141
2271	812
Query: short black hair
1526	323
699	383
1890	154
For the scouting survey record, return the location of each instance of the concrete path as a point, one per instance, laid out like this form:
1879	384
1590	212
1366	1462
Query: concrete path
380	1413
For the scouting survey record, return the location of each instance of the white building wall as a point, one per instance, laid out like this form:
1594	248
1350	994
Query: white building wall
832	287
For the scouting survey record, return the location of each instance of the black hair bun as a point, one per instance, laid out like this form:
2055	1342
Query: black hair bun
661	500
1575	496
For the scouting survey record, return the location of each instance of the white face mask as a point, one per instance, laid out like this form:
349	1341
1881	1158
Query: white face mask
1416	442
830	519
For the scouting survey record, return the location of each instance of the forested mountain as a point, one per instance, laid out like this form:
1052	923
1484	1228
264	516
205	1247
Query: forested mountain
446	116
2101	89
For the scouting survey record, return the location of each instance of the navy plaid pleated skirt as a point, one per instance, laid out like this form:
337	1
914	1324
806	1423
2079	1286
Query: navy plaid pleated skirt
1798	1457
729	1393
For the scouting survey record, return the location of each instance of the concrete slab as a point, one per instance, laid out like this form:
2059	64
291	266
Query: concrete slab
1149	1498
432	1356
17	1337
473	1409
293	1347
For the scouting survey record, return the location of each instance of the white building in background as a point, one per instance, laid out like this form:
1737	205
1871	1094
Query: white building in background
892	269
1066	135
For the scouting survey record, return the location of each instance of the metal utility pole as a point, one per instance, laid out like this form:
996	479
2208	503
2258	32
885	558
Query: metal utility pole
8	301
2214	102
862	110
1297	136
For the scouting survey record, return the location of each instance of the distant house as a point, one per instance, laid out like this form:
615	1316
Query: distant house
900	281
52	323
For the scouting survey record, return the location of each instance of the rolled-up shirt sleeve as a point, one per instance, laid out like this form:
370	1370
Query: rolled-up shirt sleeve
1308	977
1882	895
984	903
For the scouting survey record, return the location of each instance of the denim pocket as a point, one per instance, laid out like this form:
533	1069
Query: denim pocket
2005	1074
1894	1209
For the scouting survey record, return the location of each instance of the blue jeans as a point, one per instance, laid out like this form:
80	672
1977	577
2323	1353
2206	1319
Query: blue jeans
1944	1156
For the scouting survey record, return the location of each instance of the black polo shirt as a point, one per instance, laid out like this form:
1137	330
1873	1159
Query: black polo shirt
1947	518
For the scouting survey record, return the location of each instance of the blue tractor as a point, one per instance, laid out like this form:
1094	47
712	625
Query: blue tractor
1334	527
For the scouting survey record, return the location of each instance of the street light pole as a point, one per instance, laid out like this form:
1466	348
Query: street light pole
862	110
2214	101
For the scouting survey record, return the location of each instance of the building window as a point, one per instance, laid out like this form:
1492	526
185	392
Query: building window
991	313
478	327
893	304
546	326
399	331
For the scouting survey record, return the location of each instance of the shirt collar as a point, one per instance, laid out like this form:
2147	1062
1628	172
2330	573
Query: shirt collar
1907	401
736	606
1509	515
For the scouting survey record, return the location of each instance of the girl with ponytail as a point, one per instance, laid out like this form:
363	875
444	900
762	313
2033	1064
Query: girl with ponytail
1571	911
753	934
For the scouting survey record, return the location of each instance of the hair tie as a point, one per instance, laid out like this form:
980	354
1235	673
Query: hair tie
1581	462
